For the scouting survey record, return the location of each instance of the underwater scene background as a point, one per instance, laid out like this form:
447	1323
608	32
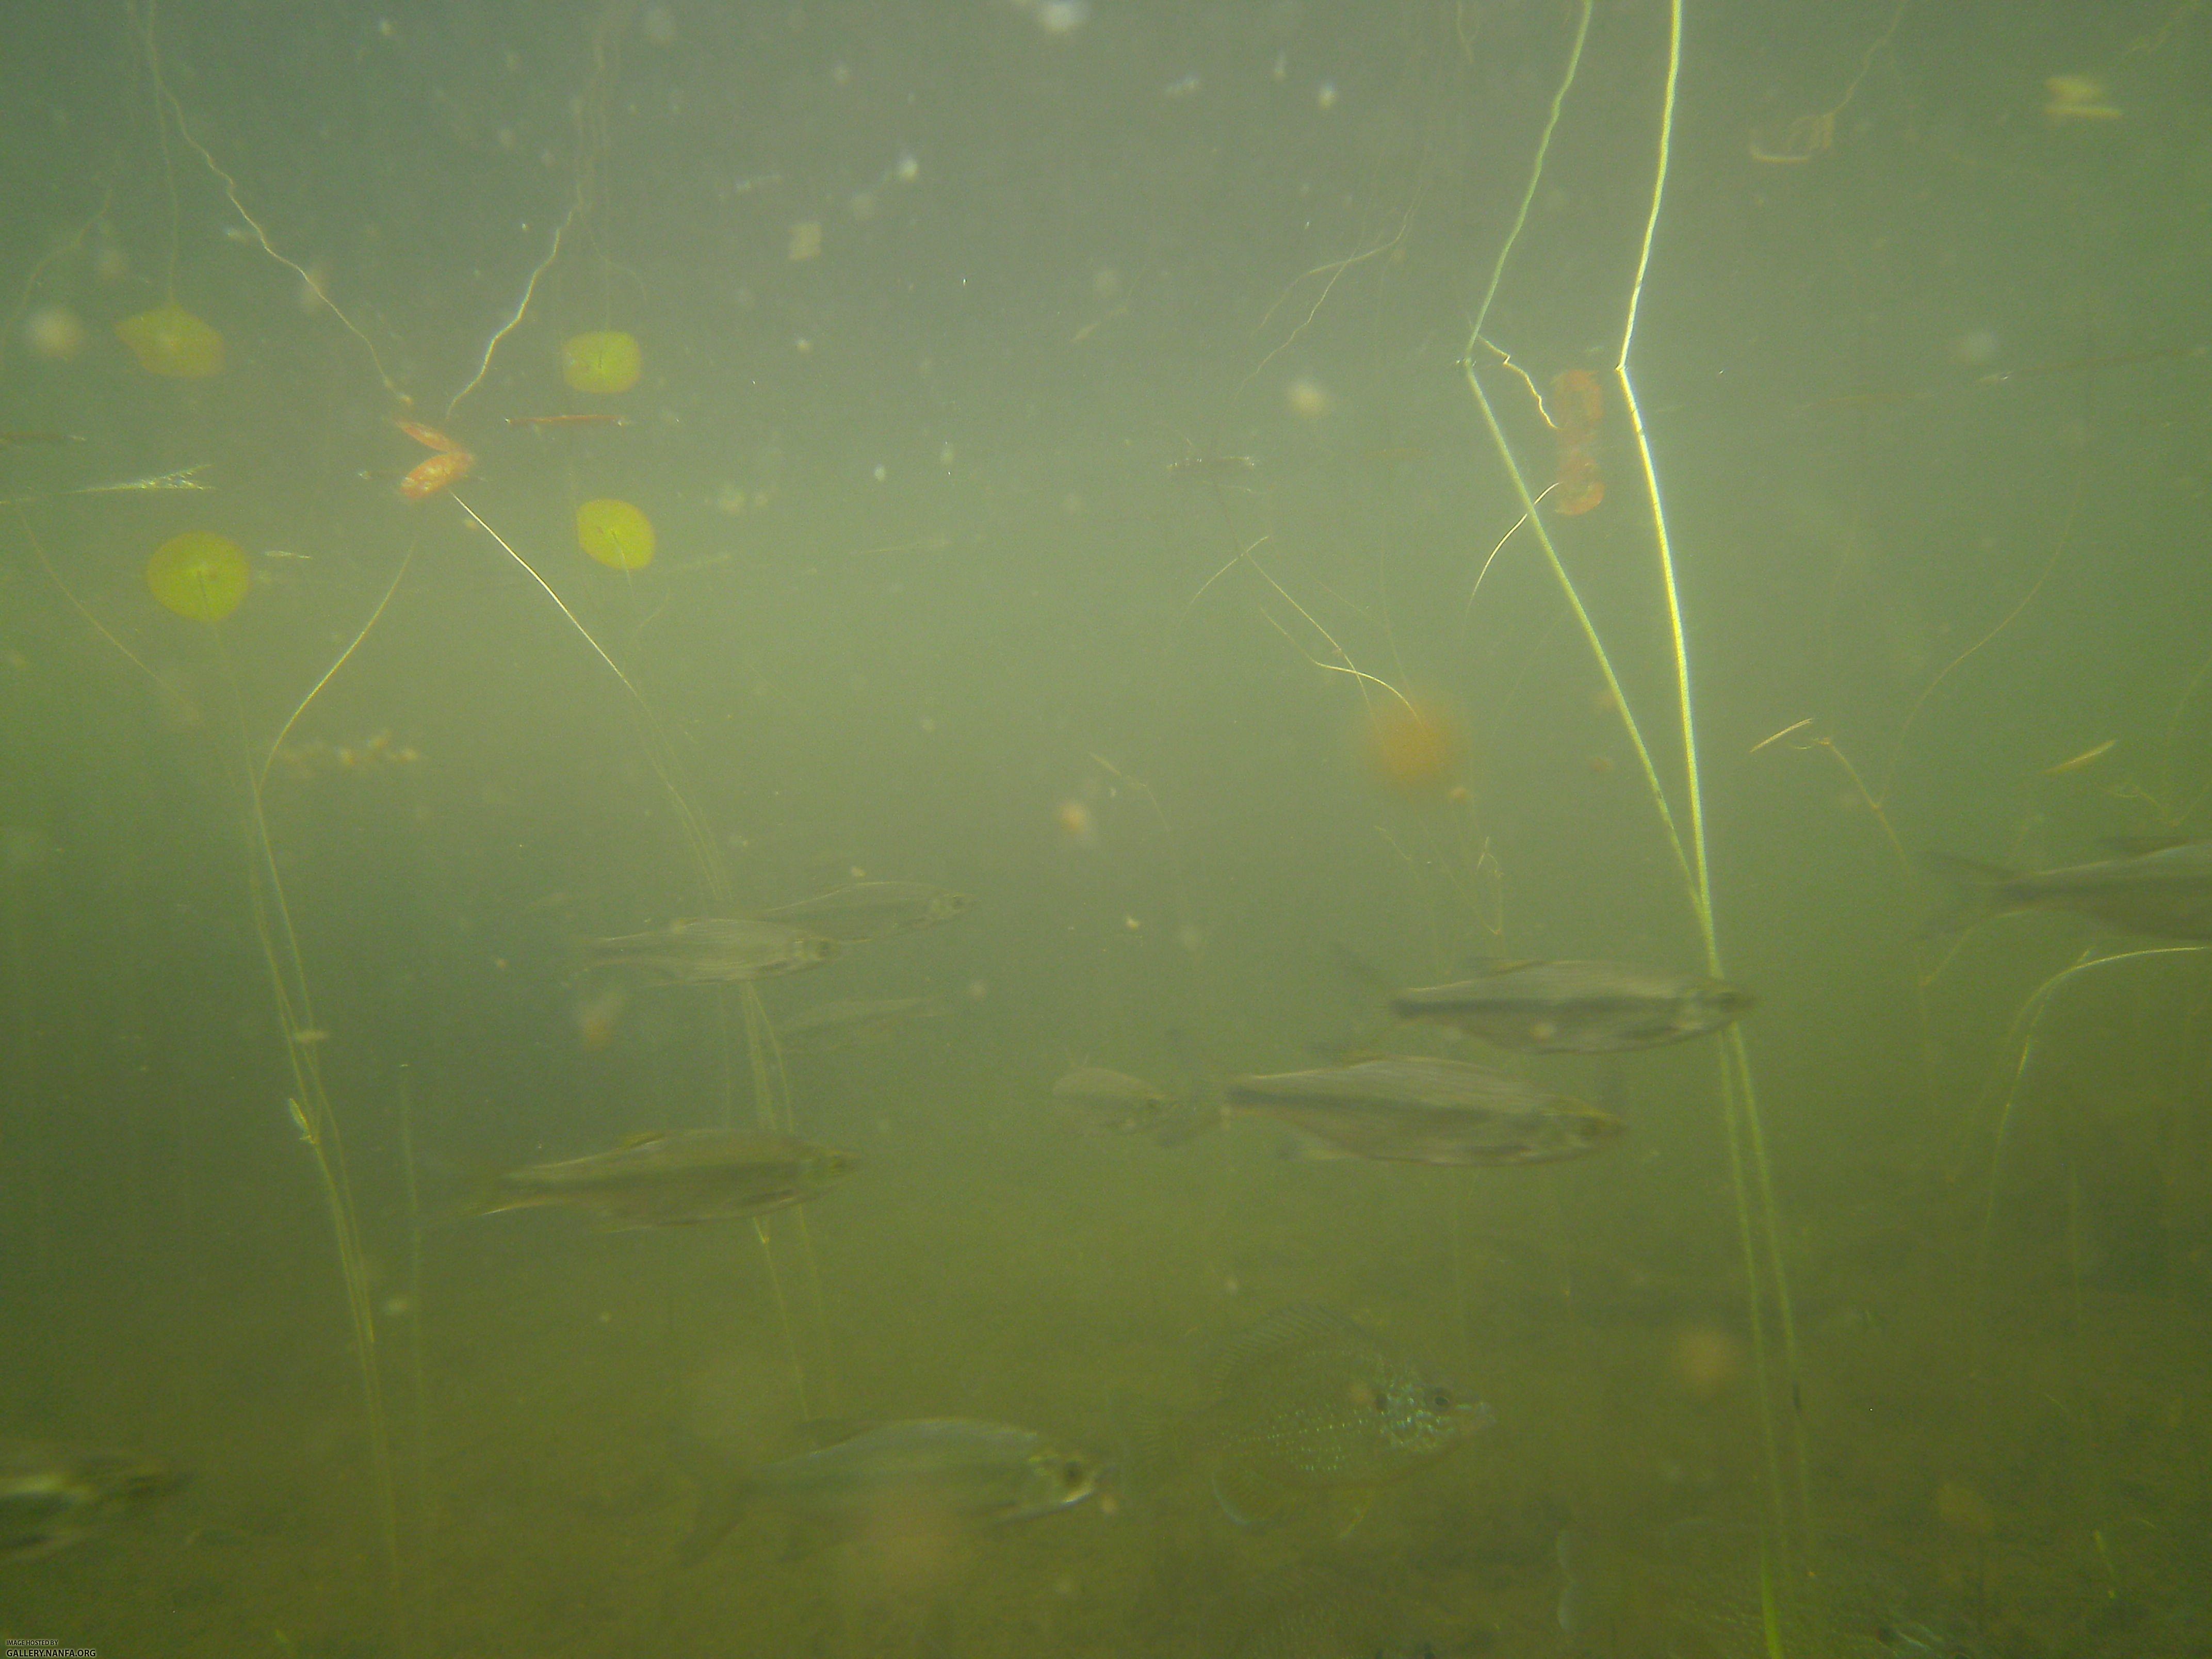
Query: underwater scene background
1275	503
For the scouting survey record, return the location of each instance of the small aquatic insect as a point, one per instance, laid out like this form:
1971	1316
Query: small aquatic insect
675	1180
51	1497
889	1481
714	950
1577	1007
1419	1110
1114	1102
873	909
447	467
1307	1402
2165	893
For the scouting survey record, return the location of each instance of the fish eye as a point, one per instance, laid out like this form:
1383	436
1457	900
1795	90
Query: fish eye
1073	1472
1441	1400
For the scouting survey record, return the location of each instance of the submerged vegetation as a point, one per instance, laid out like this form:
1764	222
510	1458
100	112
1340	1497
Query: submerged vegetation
1441	451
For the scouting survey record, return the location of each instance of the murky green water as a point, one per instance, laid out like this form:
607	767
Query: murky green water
1069	475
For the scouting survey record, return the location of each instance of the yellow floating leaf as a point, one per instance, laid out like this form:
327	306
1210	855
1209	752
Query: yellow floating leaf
169	340
198	575
617	534
605	363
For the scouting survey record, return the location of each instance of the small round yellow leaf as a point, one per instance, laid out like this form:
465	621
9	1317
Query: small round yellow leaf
169	340
606	361
617	534
198	575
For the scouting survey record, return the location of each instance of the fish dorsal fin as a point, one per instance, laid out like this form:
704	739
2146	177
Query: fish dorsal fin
642	1138
821	1433
1294	1329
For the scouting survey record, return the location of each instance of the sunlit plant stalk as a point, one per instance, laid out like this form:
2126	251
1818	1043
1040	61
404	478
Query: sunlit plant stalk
1740	1113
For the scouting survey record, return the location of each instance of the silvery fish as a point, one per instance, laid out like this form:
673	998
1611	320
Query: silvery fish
1576	1007
1419	1110
673	1180
873	909
1114	1102
902	1477
1310	1401
714	951
51	1497
2165	893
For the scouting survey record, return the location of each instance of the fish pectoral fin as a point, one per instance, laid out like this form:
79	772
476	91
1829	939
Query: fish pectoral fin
724	1494
1348	1507
1249	1498
642	1137
1186	1125
1477	967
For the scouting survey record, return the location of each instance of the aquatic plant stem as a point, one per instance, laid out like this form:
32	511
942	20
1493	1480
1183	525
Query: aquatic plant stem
1741	1095
310	1104
1535	175
1739	1112
761	1047
161	137
311	1112
423	1490
276	743
1645	764
312	283
484	366
658	751
2027	1022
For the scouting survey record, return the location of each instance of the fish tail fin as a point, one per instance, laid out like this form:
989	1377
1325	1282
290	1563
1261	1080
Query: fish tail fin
1360	971
483	1192
1201	1109
1983	891
724	1497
